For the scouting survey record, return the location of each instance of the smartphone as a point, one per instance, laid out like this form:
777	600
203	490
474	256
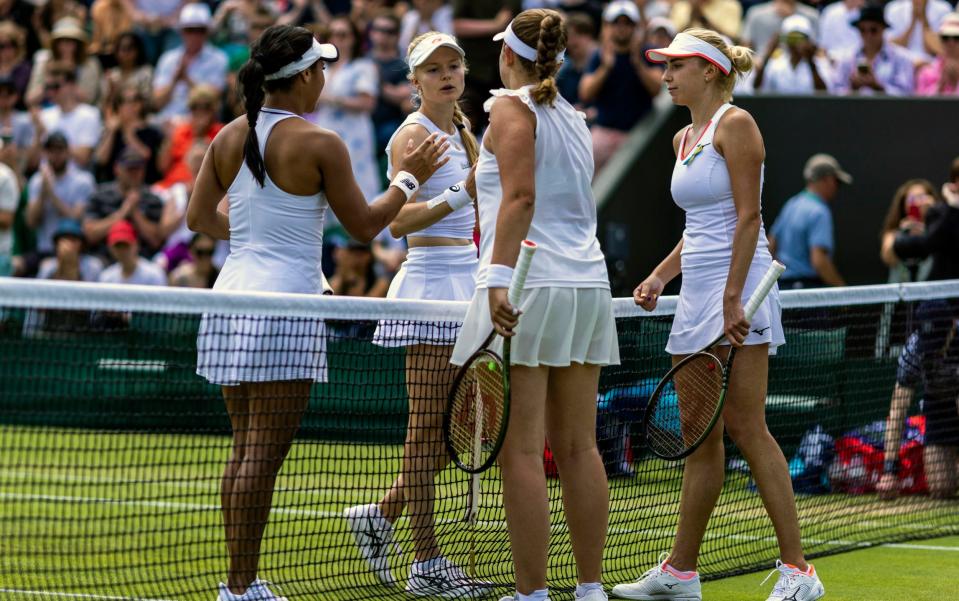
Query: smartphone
913	209
863	68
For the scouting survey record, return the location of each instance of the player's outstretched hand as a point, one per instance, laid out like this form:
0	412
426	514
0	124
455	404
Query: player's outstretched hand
647	294
423	161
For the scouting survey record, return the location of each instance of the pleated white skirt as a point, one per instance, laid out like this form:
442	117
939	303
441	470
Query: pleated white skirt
558	326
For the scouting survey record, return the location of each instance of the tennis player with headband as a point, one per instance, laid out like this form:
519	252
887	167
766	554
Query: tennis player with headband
279	173
723	254
537	153
441	265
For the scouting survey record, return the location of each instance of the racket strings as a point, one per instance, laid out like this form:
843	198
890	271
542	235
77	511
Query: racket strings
476	413
687	405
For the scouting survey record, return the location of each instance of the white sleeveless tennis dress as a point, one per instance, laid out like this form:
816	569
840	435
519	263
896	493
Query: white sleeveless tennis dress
434	272
567	307
276	242
702	188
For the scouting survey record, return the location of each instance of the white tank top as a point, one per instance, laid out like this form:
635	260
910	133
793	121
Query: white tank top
276	238
564	222
701	187
459	223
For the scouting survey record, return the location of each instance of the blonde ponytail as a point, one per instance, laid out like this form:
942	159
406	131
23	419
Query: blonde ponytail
740	56
469	140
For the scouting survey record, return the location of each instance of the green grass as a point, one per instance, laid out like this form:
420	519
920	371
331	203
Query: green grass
113	513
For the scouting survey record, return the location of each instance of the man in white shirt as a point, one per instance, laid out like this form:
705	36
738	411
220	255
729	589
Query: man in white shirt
763	21
913	24
836	33
79	122
197	61
9	198
799	69
129	268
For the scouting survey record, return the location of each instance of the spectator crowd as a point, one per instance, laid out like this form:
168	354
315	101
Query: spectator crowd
107	106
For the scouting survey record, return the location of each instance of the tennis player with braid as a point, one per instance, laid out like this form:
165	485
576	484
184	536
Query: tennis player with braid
441	265
537	153
717	180
280	173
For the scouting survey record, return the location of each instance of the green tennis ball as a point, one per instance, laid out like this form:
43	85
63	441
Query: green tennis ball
491	366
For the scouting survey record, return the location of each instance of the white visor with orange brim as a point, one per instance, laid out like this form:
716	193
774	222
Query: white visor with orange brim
685	45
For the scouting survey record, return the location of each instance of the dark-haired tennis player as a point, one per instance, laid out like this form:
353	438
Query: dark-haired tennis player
717	180
280	174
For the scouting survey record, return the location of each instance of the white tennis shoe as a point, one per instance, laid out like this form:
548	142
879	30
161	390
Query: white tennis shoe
659	585
446	580
795	585
594	595
374	538
257	591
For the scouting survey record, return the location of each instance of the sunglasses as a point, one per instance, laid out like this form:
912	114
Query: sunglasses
386	30
203	252
53	86
944	38
126	48
870	30
194	30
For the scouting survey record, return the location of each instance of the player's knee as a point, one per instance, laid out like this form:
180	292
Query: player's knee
570	452
744	431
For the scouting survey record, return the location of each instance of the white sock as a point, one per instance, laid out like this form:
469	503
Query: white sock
429	564
540	595
583	589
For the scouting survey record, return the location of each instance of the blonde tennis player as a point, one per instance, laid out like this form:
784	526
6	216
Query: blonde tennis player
441	265
537	154
717	180
280	174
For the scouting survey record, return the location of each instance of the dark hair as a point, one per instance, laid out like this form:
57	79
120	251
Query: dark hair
544	30
582	24
133	90
137	42
279	46
897	208
954	170
389	15
356	50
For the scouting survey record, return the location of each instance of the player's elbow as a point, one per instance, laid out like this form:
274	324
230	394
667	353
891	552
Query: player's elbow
398	230
520	200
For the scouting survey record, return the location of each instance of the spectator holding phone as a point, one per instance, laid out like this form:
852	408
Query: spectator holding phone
801	69
907	214
877	67
941	78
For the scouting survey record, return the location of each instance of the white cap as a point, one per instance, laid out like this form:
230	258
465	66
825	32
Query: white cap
662	23
621	8
430	44
950	25
196	14
685	45
798	24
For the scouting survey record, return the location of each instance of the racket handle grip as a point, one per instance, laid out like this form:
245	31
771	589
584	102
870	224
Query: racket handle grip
762	291
526	250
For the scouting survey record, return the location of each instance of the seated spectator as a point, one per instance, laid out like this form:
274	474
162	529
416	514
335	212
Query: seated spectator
77	121
394	100
58	190
801	69
356	272
130	70
196	62
198	271
231	27
50	12
723	16
15	66
9	199
200	128
173	226
16	128
130	267
126	127
764	21
347	103
155	21
907	213
20	13
126	199
68	262
837	36
425	16
802	235
877	67
110	19
580	47
618	81
913	25
941	78
68	48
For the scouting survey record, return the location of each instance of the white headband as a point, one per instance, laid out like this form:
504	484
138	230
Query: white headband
318	51
520	47
685	45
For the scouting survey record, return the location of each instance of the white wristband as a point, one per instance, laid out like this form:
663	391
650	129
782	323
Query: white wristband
455	196
407	184
499	276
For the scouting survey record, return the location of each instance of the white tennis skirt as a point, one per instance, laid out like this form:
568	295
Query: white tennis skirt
233	349
445	273
699	312
558	326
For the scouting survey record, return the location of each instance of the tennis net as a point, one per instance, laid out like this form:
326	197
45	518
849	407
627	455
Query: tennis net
112	449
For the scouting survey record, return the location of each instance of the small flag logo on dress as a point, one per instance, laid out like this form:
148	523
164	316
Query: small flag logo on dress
695	153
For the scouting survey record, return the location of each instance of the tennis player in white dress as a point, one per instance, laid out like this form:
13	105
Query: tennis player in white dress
280	173
441	265
538	154
723	254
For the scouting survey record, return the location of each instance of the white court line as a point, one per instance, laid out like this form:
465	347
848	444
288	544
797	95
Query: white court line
920	547
73	595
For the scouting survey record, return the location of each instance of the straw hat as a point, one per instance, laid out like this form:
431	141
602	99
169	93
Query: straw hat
68	28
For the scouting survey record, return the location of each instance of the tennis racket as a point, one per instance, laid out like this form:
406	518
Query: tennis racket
477	410
689	399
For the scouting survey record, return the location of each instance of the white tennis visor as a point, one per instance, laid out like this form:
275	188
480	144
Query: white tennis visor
324	52
685	46
430	44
